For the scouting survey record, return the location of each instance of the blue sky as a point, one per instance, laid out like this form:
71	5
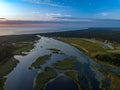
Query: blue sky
57	15
50	9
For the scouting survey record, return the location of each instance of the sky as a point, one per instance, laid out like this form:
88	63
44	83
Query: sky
59	13
48	9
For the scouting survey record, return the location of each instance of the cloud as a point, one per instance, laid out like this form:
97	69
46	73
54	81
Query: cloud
111	14
35	12
57	16
53	14
74	19
104	14
2	18
68	15
18	23
67	22
47	2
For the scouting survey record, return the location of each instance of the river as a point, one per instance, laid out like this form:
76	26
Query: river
22	78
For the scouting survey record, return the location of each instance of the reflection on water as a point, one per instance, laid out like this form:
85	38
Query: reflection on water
22	78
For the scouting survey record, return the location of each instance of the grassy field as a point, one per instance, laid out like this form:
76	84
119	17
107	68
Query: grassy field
65	64
23	47
44	77
40	60
6	67
95	50
84	45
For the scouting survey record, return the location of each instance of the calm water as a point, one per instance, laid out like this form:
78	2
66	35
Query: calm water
33	30
62	83
22	78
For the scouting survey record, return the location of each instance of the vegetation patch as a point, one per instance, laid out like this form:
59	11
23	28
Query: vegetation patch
23	47
6	52
113	59
41	60
2	83
15	44
54	50
44	77
8	66
115	80
84	45
65	64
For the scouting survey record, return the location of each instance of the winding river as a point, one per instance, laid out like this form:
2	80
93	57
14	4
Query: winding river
22	78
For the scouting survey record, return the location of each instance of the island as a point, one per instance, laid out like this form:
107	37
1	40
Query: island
41	60
44	77
65	64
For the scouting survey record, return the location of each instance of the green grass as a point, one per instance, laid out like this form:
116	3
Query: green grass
23	47
65	64
41	60
8	66
44	77
74	76
84	45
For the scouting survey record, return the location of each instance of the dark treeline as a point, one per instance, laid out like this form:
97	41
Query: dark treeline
110	34
113	59
6	52
17	38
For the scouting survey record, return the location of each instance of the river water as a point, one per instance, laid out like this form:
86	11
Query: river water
22	78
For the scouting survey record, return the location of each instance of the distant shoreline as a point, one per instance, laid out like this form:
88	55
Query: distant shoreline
109	34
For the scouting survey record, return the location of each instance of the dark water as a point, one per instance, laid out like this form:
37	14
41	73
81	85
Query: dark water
62	83
21	78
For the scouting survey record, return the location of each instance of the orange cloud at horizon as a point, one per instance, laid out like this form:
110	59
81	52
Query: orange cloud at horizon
28	25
